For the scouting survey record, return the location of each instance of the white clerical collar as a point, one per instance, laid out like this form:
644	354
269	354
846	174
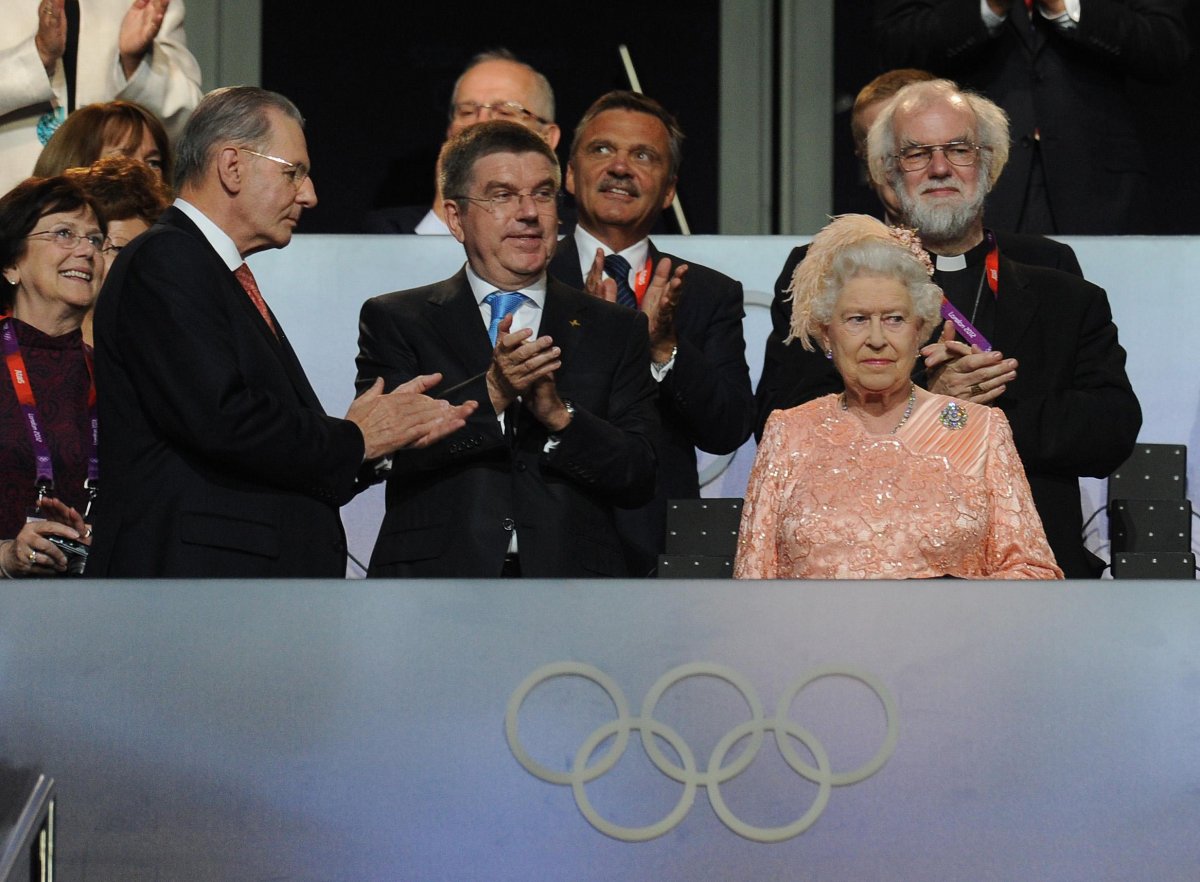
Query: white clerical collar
950	264
481	288
587	244
217	238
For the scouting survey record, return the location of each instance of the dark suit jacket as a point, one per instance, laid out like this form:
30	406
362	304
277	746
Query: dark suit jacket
705	400
1068	86
452	507
217	457
1072	410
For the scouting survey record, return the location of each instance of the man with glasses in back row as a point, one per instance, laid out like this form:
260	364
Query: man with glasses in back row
217	458
566	427
494	85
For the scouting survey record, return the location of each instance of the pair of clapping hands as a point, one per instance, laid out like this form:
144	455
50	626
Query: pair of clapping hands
523	366
139	27
966	371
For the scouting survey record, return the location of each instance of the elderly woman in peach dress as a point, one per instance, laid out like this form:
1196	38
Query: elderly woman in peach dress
886	480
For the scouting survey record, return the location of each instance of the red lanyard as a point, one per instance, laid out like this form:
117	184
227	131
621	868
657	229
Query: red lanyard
19	374
641	281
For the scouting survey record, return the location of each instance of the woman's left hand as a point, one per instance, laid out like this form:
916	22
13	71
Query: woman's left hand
31	553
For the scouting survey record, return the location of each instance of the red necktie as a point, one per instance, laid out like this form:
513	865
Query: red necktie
247	279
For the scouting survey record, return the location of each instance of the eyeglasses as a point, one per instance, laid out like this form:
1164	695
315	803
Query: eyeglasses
960	153
860	324
67	239
298	172
510	110
111	247
509	201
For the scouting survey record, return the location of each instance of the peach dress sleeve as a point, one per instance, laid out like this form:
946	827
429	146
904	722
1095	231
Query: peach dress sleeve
941	497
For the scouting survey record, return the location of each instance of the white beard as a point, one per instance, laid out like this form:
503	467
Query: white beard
940	222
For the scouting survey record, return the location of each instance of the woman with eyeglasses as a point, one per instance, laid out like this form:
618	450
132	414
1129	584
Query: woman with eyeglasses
51	237
885	480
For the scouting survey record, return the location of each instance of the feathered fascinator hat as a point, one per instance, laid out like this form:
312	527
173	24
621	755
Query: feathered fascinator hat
841	232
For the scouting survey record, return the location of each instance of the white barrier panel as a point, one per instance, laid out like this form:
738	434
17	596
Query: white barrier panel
316	731
317	285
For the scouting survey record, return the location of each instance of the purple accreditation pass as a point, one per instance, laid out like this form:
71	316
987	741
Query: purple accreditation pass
966	330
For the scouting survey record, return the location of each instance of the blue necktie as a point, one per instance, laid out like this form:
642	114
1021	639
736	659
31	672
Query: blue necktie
617	268
502	303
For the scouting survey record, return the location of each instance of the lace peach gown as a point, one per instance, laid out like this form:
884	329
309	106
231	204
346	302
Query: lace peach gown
827	500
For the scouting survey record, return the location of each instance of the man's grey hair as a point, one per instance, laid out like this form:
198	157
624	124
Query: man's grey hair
230	115
991	129
637	103
545	94
460	153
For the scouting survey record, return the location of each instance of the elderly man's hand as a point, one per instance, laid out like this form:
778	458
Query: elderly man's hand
138	30
595	283
967	372
662	297
51	37
547	408
405	417
518	361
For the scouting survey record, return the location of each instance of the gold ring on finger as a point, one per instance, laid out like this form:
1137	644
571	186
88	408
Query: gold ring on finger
976	389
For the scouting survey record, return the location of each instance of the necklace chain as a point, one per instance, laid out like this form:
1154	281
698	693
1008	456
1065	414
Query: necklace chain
908	409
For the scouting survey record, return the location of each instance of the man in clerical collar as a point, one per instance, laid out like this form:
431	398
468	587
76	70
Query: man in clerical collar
624	166
792	375
1047	354
528	488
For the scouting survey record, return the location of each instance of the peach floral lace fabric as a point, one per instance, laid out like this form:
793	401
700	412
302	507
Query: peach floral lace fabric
827	500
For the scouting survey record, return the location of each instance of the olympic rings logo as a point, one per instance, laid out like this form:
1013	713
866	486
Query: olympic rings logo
688	774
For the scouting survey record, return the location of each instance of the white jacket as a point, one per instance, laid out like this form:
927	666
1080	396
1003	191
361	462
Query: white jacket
167	81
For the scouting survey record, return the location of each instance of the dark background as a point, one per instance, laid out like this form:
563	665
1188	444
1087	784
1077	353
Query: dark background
374	81
377	105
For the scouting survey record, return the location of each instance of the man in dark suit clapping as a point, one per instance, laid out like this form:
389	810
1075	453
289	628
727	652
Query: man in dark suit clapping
217	458
529	487
624	166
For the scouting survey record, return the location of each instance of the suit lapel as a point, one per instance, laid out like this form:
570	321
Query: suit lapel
566	319
565	264
1016	306
455	318
1027	30
279	345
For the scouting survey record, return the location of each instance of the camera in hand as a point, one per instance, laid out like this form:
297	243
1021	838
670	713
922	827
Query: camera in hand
76	551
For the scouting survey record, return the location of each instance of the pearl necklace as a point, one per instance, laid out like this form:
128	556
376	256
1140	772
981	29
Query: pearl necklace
912	399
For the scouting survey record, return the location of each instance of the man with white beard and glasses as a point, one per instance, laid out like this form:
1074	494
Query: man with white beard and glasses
792	375
1038	343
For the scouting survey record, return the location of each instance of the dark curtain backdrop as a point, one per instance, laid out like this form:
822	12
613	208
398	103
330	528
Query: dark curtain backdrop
374	80
1166	119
